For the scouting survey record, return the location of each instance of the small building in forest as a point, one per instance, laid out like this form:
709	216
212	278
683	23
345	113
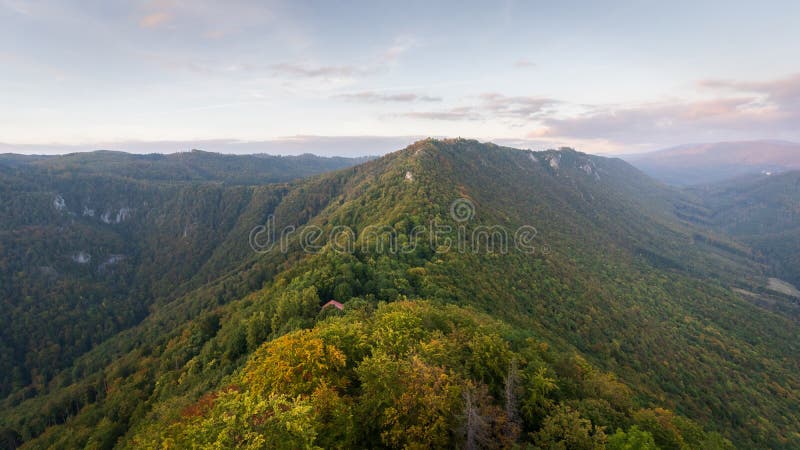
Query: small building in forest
333	303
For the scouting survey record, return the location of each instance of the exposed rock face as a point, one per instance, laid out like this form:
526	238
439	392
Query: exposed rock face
554	161
565	160
590	169
81	257
59	203
122	215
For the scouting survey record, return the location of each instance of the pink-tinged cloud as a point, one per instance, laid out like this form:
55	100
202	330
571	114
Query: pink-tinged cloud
400	46
524	64
155	20
644	123
735	110
783	91
216	34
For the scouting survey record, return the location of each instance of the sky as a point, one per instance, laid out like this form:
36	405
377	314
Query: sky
353	78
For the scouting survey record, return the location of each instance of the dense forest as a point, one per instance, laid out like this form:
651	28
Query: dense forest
634	321
194	166
91	241
762	211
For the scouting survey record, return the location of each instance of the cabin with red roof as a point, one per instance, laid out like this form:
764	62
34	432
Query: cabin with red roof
333	303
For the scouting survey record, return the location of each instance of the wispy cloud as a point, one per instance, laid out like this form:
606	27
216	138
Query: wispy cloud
783	92
315	71
19	7
720	109
524	64
730	110
376	64
216	34
457	113
490	106
401	45
380	97
516	107
155	19
208	18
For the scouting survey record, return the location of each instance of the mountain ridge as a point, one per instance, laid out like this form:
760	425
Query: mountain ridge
192	166
712	162
619	280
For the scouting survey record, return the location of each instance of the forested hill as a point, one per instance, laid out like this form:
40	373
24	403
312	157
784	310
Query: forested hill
193	166
91	241
612	318
761	210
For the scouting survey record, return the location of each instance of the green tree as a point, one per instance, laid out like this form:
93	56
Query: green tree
566	429
633	439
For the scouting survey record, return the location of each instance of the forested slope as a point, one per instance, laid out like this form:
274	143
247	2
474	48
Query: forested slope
762	211
89	242
615	314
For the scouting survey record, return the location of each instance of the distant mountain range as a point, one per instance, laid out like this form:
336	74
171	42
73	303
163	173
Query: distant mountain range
193	166
708	163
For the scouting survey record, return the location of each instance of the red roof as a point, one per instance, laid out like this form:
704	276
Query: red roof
333	303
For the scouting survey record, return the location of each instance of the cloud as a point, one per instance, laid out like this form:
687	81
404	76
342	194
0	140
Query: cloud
784	92
19	7
658	124
517	109
375	64
719	110
313	71
524	64
378	97
458	113
212	19
723	110
241	65
155	20
216	34
400	46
